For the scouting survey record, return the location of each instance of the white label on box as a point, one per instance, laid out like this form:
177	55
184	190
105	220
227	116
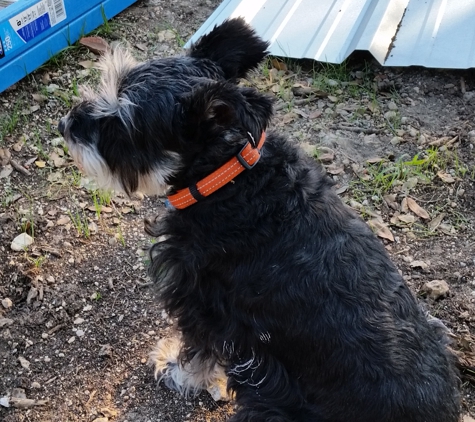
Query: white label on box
38	18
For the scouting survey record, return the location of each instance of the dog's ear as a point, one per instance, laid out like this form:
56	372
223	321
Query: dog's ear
213	107
233	45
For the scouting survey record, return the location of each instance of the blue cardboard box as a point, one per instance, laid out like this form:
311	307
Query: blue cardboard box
33	31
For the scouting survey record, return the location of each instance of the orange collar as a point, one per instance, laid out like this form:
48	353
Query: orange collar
245	160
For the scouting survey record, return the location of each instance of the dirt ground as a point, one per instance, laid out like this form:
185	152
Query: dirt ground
78	315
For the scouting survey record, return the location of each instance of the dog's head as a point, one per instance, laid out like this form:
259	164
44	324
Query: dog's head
146	123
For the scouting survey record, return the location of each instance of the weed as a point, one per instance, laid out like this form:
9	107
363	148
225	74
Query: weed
37	262
81	223
120	236
96	296
38	146
101	198
9	122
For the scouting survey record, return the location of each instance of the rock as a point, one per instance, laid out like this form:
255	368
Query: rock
469	96
7	303
396	140
436	289
21	242
390	115
5	322
24	362
392	106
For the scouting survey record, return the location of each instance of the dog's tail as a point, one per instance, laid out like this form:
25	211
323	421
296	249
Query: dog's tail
233	45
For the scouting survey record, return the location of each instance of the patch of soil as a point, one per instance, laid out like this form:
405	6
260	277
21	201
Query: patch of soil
78	316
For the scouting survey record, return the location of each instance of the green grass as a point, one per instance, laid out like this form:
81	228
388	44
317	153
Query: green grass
81	223
10	121
384	176
101	198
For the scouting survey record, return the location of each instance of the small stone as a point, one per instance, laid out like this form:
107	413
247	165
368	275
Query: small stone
412	132
436	289
7	303
71	340
35	385
101	420
404	120
390	115
79	333
50	279
21	242
396	140
78	321
44	335
392	106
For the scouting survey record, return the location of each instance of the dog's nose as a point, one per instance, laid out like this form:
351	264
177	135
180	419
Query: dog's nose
62	125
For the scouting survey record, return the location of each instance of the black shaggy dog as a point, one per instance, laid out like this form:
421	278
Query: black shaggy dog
273	282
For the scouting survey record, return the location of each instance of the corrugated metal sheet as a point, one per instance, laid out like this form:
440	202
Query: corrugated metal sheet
431	33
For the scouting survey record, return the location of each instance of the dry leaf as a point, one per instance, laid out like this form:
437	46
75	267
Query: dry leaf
381	229
335	168
64	219
288	118
417	209
374	160
57	160
406	218
332	98
315	114
404	206
5	156
445	177
141	47
436	222
40	98
97	45
279	65
40	164
87	64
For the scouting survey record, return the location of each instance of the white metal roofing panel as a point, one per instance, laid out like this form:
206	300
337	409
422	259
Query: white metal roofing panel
436	33
432	33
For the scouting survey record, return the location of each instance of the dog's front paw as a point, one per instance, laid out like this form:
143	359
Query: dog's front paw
190	378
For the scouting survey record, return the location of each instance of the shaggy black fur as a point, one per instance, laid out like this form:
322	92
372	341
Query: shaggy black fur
272	275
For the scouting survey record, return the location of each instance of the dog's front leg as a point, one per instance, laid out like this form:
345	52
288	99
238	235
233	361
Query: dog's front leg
188	377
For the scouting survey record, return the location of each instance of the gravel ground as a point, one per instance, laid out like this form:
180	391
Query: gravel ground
78	315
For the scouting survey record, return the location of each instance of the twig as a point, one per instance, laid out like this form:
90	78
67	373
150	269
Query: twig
18	167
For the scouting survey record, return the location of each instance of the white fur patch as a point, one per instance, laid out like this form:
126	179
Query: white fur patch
190	379
106	98
93	165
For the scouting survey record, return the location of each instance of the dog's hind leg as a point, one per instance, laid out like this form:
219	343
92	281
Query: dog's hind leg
188	378
265	392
